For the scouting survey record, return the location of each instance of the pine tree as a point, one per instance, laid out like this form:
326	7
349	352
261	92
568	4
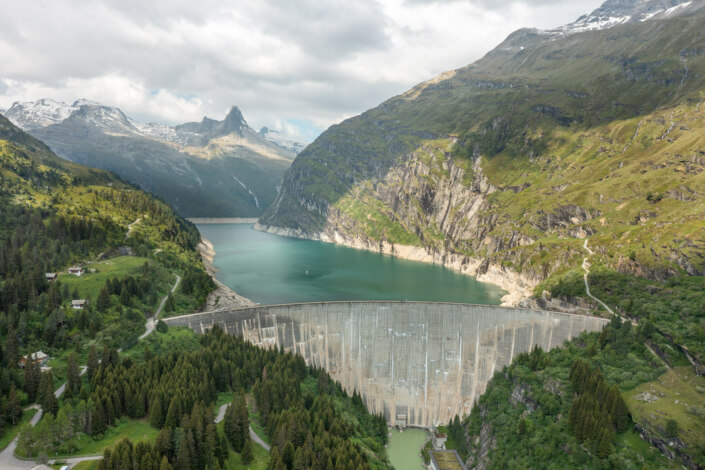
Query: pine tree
124	296
104	299
32	378
156	414
230	427
246	454
242	421
98	421
172	415
48	400
73	377
92	364
14	408
12	347
165	465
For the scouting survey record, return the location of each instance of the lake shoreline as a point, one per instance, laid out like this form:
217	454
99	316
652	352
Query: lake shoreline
222	296
518	287
222	220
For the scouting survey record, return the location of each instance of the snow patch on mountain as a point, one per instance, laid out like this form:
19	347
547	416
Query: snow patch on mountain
617	12
277	138
35	114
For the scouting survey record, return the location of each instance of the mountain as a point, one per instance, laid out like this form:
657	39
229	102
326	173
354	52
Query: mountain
207	169
558	153
500	168
616	12
277	138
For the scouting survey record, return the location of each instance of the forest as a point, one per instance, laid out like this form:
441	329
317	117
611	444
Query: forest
311	421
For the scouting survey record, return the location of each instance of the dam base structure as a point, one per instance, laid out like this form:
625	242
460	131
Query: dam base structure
417	363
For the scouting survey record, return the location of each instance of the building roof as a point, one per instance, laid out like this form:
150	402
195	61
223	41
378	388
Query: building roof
79	302
75	268
447	460
39	355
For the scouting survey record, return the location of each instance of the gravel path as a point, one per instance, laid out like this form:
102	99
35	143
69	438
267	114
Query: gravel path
253	435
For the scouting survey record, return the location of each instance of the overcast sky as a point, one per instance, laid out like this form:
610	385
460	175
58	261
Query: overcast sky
294	65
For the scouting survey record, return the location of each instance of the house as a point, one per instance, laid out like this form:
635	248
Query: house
76	270
36	358
79	304
439	440
50	276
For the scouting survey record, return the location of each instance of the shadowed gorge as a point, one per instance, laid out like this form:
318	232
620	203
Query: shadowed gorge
419	364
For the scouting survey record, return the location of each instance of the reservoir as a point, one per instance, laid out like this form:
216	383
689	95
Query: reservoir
405	448
271	269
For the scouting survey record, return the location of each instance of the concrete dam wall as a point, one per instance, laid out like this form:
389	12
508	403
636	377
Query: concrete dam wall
418	363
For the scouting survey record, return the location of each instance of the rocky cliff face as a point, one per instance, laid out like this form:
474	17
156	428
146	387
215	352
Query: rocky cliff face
431	206
500	169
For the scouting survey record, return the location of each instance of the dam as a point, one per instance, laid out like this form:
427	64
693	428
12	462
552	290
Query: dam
417	363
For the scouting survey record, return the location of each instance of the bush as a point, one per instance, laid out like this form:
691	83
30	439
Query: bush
162	327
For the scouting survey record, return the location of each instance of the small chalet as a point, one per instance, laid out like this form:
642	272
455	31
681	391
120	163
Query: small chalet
76	270
439	440
79	304
35	358
50	276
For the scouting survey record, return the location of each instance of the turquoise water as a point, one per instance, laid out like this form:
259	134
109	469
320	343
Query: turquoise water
404	449
270	269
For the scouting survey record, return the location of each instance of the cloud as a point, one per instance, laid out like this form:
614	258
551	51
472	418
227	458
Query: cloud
305	64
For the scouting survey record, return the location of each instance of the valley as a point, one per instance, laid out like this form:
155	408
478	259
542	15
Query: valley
503	265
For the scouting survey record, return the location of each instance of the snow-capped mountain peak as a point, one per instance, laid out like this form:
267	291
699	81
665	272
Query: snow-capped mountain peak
616	12
277	138
35	114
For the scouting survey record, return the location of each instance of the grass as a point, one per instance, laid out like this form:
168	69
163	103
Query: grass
261	457
175	339
90	283
223	398
255	424
87	465
135	430
11	432
681	385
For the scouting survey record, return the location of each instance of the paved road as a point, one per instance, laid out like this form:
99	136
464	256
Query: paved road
152	322
253	435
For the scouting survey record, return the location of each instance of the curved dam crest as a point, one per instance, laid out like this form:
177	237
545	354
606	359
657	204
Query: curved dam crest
418	363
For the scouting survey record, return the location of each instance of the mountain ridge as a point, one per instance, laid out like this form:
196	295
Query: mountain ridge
210	168
519	107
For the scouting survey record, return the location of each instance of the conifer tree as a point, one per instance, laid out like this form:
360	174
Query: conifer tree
32	378
104	299
14	409
156	414
92	363
73	377
165	465
246	454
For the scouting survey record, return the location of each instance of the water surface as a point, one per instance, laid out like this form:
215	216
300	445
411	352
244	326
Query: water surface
270	269
404	449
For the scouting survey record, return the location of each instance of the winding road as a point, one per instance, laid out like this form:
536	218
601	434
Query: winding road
151	323
253	435
8	460
586	268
